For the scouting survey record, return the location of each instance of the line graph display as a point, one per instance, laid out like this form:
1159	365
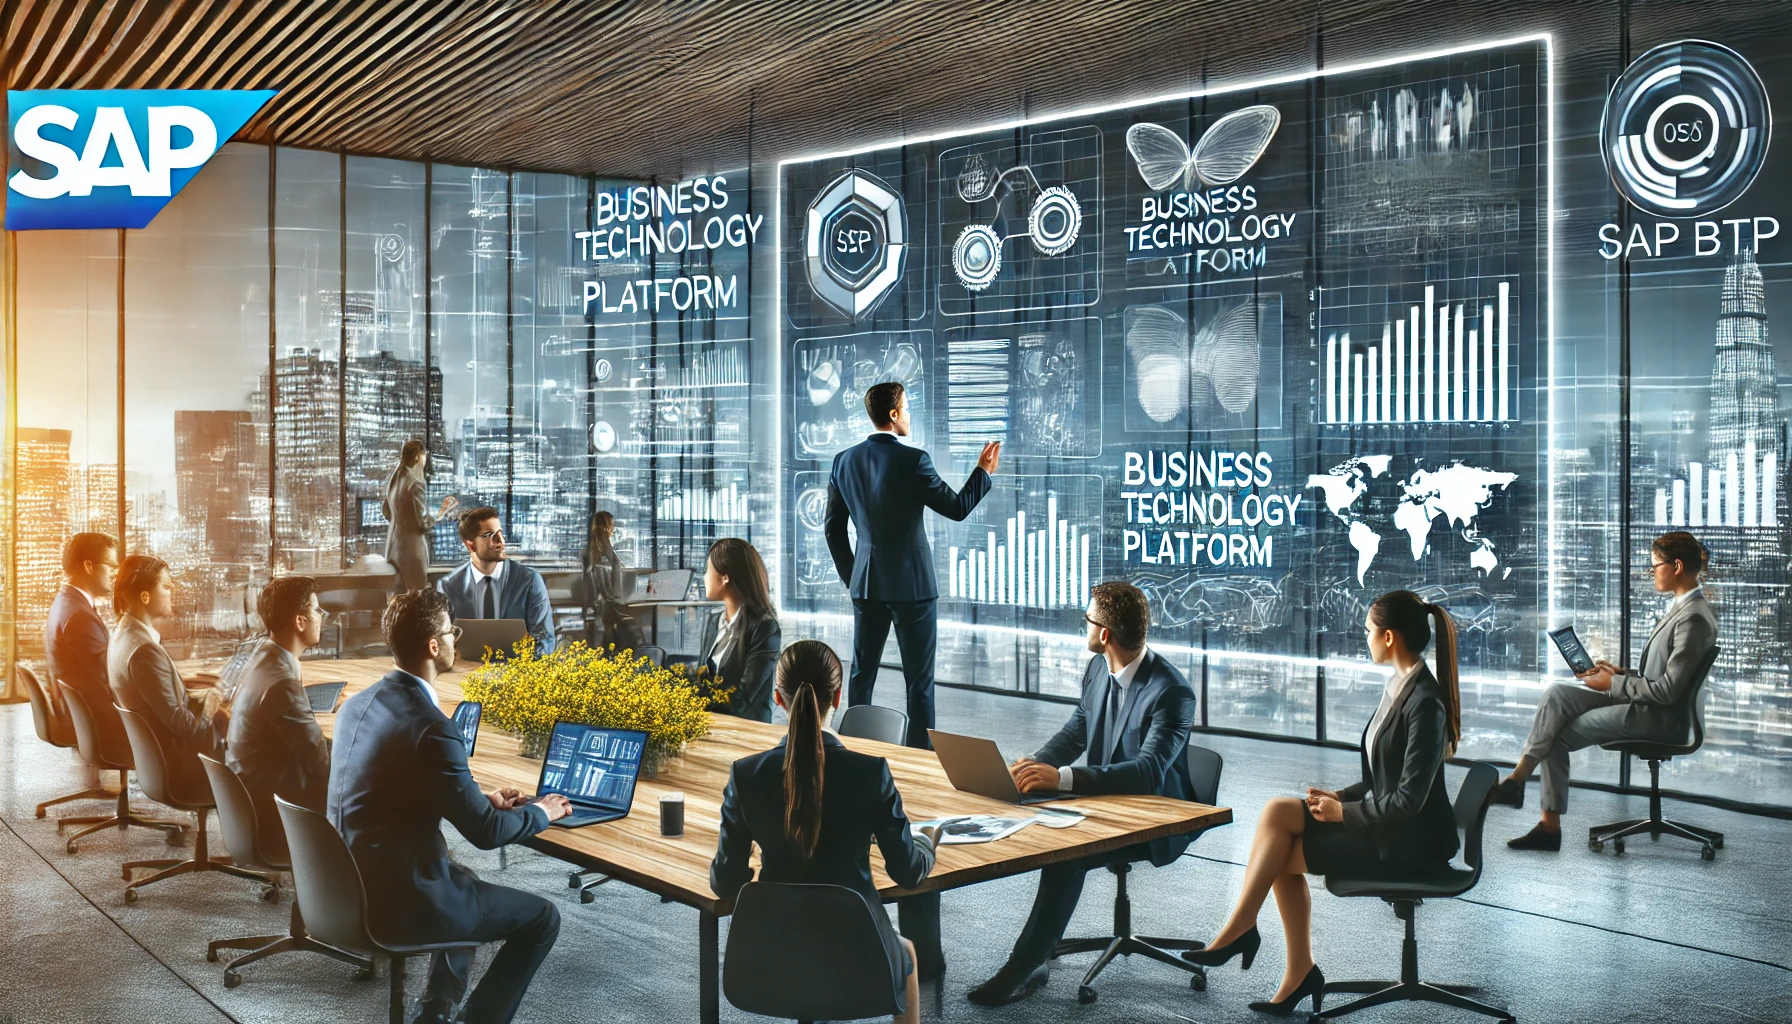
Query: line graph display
1038	549
1433	361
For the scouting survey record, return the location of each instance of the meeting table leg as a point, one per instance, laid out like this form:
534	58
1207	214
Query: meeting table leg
918	918
709	965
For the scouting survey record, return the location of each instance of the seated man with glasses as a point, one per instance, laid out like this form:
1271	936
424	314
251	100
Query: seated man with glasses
1133	723
490	586
1621	703
275	746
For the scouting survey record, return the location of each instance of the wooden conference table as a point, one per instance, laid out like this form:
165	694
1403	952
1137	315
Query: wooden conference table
633	851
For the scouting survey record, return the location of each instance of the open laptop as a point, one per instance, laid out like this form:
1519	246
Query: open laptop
466	719
975	766
661	585
593	768
323	696
498	634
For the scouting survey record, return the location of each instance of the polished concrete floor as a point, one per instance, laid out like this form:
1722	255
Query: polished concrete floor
1657	935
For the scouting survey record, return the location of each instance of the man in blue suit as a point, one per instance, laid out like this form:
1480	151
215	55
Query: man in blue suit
1133	723
76	639
397	771
882	486
490	586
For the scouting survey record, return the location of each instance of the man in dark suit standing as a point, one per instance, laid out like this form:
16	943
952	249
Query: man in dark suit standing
492	586
75	636
398	769
275	745
882	486
1133	722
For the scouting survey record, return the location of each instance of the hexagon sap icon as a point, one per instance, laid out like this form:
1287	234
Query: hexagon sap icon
112	158
855	241
1686	129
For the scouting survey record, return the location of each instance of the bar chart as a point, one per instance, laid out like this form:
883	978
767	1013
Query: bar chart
1439	362
695	504
1041	552
1741	492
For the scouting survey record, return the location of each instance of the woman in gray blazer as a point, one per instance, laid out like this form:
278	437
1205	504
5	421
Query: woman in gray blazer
1394	823
144	679
407	536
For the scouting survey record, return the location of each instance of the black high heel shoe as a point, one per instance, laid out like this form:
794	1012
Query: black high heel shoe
1245	945
1311	985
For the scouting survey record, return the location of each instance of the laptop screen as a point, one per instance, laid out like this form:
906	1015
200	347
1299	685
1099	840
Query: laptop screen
466	719
592	767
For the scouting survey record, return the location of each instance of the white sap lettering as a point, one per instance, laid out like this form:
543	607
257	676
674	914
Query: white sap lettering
37	147
111	129
164	156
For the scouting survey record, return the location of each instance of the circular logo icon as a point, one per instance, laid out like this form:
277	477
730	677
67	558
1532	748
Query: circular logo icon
1686	129
855	241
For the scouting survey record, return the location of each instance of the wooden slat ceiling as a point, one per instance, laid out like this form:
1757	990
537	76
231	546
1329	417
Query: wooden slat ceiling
665	87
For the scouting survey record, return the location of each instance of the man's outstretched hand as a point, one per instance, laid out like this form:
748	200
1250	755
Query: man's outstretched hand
991	457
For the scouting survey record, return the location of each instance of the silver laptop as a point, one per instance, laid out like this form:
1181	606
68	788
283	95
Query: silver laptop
975	766
500	635
661	585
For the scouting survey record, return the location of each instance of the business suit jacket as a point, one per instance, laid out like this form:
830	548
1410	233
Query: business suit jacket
748	665
75	646
1403	805
407	538
1152	757
1657	694
276	747
859	805
397	771
882	486
144	680
522	594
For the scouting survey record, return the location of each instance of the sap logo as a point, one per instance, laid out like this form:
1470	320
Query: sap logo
82	158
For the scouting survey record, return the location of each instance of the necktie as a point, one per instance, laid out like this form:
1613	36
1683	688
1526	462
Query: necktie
491	605
1107	725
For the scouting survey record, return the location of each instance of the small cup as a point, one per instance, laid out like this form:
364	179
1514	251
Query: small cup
672	814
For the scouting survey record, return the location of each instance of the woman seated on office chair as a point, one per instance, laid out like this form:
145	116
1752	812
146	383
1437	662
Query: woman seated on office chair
741	640
1396	822
607	586
812	806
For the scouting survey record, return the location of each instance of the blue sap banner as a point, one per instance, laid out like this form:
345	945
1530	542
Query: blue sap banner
112	158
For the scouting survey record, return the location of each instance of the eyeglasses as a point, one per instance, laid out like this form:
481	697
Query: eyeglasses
1097	625
453	631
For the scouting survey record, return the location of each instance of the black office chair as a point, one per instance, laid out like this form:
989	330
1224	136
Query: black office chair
1472	801
872	722
1655	753
1204	768
161	785
657	655
807	953
54	728
243	837
106	755
329	886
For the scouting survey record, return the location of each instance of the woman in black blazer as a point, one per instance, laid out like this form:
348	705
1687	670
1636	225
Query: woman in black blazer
813	807
1395	823
741	642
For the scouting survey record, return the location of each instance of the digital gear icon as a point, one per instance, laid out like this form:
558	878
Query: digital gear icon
1053	223
855	242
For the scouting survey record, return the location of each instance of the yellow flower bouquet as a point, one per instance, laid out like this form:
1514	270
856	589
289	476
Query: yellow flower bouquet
609	688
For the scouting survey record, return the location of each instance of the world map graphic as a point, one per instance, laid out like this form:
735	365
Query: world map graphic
1457	493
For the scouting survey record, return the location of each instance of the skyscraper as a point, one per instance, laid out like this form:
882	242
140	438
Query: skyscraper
43	509
215	458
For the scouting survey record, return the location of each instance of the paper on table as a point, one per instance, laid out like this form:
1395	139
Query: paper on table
974	828
1058	817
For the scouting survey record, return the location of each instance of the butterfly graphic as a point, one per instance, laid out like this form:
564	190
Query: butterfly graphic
1222	155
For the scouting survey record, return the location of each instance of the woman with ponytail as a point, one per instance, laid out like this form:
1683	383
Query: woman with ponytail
1395	823
813	806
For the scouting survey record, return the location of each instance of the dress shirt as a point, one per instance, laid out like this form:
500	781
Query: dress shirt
724	637
1391	694
91	603
496	576
1111	729
428	690
1673	602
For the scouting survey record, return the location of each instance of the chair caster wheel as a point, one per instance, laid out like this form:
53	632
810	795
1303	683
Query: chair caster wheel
1197	982
71	846
572	880
362	974
1618	847
1596	846
211	955
232	979
269	894
175	838
130	895
587	896
1718	843
1708	852
1085	994
125	873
